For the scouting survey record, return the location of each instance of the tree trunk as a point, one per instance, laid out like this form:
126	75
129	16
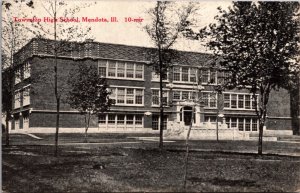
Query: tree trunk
57	126
260	138
161	143
7	129
187	149
87	118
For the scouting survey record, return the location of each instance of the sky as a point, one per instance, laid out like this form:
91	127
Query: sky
129	33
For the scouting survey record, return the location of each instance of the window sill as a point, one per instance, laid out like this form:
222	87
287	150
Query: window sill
123	78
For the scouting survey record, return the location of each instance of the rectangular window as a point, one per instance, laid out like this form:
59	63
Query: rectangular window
193	95
155	97
228	122
121	95
213	77
155	122
129	70
241	124
247	102
185	74
138	96
120	119
111	119
226	100
176	95
213	100
254	124
205	99
17	99
254	105
121	69
139	71
241	101
130	96
102	119
129	119
176	74
233	122
185	95
247	124
139	120
234	101
193	74
111	69
102	68
205	76
18	76
165	97
26	96
26	69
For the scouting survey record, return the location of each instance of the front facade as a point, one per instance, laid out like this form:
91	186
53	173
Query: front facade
135	88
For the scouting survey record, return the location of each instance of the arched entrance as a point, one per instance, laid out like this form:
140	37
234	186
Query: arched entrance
186	115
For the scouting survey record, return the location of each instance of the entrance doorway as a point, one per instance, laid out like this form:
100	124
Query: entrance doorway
186	115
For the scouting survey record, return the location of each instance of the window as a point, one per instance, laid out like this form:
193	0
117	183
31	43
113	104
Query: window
156	97
18	76
210	99
17	99
205	76
102	68
254	124
193	75
209	76
185	95
111	119
176	95
211	119
247	124
129	119
184	74
241	101
121	69
138	119
102	119
139	96
26	96
176	74
233	122
213	77
253	102
111	69
238	101
156	122
241	124
120	119
26	69
130	96
139	71
226	100
129	70
247	102
233	101
121	96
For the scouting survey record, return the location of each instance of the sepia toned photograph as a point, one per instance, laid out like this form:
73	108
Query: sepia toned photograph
150	96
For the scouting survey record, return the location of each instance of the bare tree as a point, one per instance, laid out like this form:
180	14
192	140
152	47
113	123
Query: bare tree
12	40
168	22
61	33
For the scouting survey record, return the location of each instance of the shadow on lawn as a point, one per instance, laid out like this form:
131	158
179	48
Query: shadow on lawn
223	182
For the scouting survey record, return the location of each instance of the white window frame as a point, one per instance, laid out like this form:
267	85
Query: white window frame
237	100
211	98
189	74
115	88
165	94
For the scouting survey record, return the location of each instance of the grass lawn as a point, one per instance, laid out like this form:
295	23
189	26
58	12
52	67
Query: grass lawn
141	167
